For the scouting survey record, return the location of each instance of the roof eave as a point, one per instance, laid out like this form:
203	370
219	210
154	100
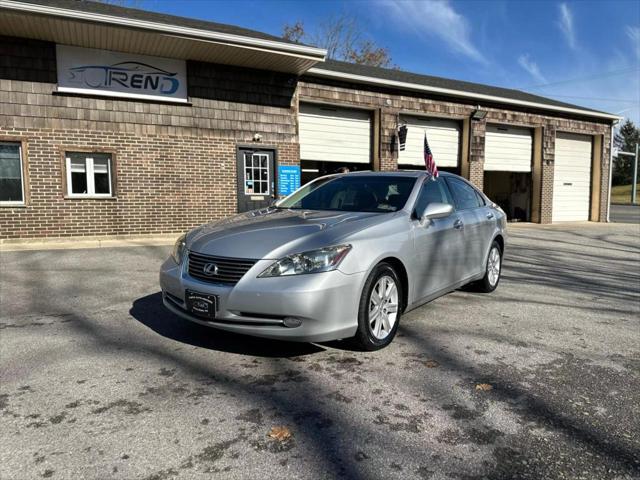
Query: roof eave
303	51
320	72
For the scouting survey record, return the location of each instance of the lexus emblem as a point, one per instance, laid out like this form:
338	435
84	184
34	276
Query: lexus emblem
210	269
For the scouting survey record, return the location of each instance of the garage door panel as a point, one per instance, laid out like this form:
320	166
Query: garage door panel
333	134
572	177
443	136
508	149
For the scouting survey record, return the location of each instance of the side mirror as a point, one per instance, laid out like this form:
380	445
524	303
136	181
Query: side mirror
435	210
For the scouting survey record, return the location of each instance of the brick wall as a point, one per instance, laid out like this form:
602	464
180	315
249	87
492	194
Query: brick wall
391	102
175	164
163	184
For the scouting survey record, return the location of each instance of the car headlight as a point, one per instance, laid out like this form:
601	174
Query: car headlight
179	248
314	261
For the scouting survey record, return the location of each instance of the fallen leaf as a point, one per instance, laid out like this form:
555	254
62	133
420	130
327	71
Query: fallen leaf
280	433
485	387
431	364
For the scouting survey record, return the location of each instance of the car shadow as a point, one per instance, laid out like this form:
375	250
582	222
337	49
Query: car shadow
150	311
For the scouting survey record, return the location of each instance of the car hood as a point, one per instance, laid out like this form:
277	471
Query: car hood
273	233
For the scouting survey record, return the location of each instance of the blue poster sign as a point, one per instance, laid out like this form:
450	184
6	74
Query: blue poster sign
288	179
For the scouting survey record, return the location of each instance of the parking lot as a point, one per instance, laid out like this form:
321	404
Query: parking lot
540	379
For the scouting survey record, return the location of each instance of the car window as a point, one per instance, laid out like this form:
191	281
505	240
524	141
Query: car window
464	195
358	193
433	191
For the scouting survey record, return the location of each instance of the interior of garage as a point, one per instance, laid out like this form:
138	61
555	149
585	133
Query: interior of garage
311	169
512	191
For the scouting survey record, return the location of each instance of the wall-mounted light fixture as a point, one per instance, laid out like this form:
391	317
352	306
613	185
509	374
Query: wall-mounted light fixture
257	137
478	114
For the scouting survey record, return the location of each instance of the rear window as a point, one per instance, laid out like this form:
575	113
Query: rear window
464	195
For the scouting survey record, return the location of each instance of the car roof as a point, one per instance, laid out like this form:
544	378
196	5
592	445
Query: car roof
395	173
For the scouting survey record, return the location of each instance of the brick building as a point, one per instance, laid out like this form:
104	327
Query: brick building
116	121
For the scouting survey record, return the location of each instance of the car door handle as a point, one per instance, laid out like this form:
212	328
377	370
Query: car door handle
489	215
458	224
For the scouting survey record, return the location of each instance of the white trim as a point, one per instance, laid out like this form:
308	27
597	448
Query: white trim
109	93
23	202
314	53
319	71
89	174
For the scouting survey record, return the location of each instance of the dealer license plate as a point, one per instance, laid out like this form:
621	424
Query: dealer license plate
201	304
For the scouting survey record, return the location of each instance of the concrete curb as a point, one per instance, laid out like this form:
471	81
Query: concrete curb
74	243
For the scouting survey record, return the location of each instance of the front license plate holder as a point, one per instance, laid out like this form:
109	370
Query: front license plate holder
201	305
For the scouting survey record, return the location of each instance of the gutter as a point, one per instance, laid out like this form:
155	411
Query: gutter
320	72
312	53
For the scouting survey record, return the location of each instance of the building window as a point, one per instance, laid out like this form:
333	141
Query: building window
89	175
256	174
11	178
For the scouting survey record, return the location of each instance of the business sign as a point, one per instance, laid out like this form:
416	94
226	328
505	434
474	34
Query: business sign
117	74
288	179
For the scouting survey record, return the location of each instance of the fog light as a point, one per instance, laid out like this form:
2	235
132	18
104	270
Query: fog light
292	322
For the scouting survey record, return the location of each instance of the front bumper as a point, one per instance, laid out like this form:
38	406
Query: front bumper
325	303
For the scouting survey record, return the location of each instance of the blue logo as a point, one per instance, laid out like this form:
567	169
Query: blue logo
129	75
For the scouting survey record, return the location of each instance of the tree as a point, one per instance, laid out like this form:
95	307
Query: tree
121	3
625	140
342	38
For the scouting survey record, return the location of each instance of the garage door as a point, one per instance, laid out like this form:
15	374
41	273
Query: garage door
333	134
508	149
572	178
443	136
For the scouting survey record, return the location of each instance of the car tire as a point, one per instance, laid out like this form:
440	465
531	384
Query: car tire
380	309
493	270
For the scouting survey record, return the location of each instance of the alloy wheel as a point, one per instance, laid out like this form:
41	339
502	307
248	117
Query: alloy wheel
383	307
493	266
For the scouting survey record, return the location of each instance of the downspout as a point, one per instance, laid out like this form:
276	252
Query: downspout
613	124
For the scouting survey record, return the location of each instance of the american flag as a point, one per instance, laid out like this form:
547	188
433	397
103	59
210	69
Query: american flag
429	162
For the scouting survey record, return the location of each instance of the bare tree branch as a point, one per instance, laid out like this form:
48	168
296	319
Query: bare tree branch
341	36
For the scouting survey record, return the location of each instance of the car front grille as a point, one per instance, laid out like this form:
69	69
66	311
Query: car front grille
227	270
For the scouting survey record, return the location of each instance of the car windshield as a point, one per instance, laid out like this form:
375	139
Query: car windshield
357	193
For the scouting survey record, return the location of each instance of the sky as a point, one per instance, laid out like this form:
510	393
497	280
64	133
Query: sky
581	52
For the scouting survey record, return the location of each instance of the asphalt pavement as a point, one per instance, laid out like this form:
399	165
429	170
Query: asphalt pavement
540	379
625	213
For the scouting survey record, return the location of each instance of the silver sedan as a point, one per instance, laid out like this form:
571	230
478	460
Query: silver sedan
342	257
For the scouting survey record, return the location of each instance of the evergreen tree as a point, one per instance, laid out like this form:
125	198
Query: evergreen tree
625	140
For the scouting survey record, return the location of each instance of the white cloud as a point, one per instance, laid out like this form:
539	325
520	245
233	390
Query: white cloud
532	67
634	34
437	18
566	25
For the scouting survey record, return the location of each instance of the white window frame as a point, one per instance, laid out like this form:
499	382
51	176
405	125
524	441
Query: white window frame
22	202
89	172
259	155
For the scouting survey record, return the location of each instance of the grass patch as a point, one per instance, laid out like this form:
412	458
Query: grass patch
622	194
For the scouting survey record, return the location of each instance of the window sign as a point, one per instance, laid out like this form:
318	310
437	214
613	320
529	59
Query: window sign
288	179
102	72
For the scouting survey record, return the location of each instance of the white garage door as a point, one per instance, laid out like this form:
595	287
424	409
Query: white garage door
443	137
572	178
333	134
508	149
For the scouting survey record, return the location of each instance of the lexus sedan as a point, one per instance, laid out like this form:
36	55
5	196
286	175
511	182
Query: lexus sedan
342	257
